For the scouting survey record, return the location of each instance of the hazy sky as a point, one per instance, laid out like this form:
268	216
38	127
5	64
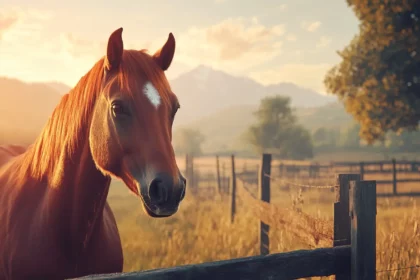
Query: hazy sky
270	41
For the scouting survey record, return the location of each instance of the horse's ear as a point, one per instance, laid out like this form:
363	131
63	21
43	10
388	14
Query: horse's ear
114	50
164	56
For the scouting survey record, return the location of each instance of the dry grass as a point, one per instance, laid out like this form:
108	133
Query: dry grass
201	230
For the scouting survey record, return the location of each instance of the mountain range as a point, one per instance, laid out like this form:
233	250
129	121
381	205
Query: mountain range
24	109
204	92
219	104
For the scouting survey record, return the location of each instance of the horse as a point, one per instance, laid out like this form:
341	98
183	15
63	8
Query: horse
55	222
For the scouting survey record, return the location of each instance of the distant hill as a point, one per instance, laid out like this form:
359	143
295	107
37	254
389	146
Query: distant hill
59	87
204	92
210	100
24	109
223	129
332	115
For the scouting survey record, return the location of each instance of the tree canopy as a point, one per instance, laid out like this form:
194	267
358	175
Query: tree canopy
378	78
276	130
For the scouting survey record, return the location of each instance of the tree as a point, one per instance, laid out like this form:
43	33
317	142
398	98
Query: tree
326	137
378	78
188	141
320	136
350	136
276	130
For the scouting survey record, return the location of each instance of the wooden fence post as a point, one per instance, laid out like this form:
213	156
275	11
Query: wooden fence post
264	189
342	228
363	230
233	184
362	170
219	188
394	176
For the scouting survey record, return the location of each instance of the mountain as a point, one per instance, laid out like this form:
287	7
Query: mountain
223	129
204	91
24	110
332	115
59	87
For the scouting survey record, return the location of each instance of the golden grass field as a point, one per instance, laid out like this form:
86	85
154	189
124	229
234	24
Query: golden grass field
201	231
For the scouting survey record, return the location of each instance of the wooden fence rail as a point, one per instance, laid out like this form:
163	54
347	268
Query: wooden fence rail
290	265
396	170
353	255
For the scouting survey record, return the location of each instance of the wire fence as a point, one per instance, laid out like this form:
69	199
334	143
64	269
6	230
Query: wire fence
318	231
282	181
314	231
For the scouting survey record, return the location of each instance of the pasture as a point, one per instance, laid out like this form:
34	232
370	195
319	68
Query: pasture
202	231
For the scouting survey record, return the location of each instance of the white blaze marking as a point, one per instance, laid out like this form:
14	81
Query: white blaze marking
152	94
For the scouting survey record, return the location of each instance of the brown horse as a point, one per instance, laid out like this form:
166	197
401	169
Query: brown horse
55	222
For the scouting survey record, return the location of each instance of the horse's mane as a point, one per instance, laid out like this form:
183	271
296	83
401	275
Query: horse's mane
67	128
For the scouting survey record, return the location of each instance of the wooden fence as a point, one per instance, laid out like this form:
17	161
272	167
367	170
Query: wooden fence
393	168
352	255
206	175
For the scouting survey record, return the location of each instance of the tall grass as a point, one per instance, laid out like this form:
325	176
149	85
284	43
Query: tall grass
201	231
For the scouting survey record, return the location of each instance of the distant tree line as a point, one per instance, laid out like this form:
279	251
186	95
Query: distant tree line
276	131
348	138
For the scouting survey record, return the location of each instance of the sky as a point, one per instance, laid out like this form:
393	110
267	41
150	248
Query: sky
270	41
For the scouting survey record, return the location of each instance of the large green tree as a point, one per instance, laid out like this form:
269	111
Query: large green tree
276	130
378	78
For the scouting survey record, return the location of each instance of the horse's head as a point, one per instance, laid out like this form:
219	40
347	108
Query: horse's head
131	129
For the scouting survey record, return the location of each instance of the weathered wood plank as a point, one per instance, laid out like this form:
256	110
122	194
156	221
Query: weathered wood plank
363	230
290	265
341	209
264	189
342	232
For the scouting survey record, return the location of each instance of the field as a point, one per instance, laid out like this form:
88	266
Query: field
201	231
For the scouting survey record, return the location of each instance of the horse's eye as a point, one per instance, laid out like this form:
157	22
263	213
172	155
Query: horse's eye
117	109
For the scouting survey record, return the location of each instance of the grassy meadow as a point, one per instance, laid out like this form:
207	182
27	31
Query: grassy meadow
201	231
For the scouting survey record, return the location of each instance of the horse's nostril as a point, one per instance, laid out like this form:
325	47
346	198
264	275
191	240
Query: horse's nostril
157	192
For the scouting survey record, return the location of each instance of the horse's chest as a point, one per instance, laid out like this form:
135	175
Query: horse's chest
43	259
42	255
104	253
37	258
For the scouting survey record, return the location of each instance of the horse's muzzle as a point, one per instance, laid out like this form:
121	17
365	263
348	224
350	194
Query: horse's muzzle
164	195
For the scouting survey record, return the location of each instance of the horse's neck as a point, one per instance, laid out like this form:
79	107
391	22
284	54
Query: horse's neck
76	190
79	199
